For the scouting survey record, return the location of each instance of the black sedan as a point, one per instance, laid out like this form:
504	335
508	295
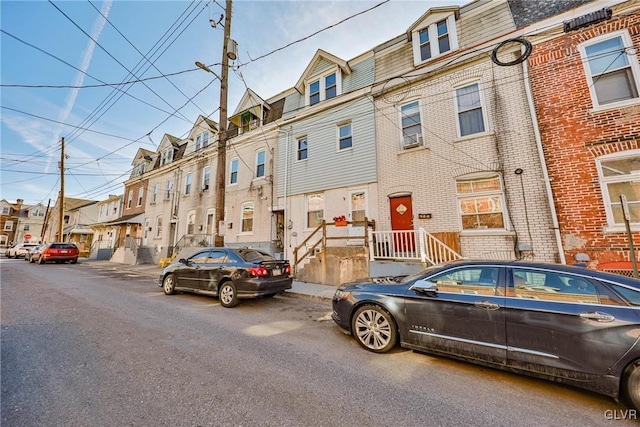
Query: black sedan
229	274
567	324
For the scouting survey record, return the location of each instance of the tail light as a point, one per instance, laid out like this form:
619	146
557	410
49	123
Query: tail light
258	271
287	269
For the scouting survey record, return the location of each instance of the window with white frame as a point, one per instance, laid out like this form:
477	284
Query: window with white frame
26	227
187	184
261	157
325	87
434	39
411	125
101	211
344	136
8	225
167	157
155	193
130	199
302	148
210	219
116	205
469	107
140	195
167	195
612	68
247	218
481	202
233	172
159	226
198	142
5	211
139	169
206	178
191	222
205	140
620	175
315	210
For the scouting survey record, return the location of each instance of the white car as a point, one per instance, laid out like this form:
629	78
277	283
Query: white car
19	250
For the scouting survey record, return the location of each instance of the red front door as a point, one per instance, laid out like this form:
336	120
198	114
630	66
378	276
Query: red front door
402	220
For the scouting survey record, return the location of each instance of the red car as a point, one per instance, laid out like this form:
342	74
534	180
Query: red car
59	252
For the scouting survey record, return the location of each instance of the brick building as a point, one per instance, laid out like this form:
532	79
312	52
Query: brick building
585	81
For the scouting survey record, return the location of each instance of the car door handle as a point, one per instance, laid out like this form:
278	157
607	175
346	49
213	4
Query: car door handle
486	304
598	316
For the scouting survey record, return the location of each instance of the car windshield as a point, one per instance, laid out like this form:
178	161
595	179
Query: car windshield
253	255
415	276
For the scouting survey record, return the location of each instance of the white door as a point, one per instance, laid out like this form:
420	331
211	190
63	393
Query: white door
145	232
357	213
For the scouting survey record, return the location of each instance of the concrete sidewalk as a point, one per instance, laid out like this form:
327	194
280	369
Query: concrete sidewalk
311	291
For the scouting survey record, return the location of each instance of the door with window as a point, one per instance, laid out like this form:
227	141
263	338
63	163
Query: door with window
357	215
403	240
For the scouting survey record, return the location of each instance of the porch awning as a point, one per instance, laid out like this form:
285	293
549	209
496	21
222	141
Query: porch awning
127	219
77	229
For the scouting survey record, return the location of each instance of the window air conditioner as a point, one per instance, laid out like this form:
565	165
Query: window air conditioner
414	141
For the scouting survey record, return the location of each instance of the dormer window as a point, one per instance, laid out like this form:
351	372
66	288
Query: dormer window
435	37
248	121
198	142
324	88
138	170
205	140
167	157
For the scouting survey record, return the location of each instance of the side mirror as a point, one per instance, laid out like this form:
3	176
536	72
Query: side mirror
424	286
183	261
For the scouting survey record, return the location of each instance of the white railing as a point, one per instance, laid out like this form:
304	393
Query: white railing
410	245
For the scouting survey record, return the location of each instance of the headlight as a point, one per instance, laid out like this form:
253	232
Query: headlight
341	294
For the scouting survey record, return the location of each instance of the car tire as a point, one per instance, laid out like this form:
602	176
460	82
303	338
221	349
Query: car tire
374	329
74	261
169	284
228	295
631	385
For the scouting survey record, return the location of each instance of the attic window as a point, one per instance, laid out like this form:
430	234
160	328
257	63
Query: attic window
249	121
326	87
434	39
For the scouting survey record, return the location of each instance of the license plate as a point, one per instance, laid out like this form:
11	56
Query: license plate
63	251
276	272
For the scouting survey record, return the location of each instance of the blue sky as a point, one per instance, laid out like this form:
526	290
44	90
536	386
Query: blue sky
49	43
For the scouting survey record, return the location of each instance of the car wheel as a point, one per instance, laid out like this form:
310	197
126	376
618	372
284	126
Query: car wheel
169	284
631	385
74	261
228	295
374	328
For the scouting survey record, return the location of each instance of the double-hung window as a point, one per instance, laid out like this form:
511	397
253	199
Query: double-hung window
326	87
167	195
205	140
314	92
159	226
481	202
233	172
302	148
155	192
260	163
469	109
315	210
247	218
434	38
330	86
206	178
620	175
140	194
344	136
411	125
198	142
130	199
8	225
612	68
187	184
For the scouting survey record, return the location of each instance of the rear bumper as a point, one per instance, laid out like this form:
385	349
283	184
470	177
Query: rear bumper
250	288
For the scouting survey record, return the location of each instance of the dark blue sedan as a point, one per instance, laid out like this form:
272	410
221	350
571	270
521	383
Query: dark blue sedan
566	324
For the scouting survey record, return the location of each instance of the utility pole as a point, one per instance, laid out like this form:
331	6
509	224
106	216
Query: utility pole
61	198
222	132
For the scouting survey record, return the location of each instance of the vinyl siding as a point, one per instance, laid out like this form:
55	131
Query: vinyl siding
326	167
361	76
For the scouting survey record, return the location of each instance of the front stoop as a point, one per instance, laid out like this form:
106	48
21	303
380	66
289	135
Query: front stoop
335	266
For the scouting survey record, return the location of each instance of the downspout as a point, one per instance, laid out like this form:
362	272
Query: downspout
543	163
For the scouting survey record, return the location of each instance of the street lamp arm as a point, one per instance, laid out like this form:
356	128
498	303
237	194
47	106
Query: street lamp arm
207	69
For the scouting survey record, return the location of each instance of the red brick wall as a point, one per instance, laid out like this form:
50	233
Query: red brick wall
573	137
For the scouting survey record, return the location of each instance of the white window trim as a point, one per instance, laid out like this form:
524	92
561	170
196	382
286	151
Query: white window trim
420	144
264	175
229	183
631	57
306	209
140	197
483	106
188	184
187	223
298	139
433	38
321	78
483	231
338	126
130	200
611	226
206	186
253	219
158	227
8	226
